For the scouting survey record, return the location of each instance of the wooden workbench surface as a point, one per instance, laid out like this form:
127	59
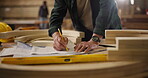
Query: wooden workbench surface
114	69
79	70
108	69
76	70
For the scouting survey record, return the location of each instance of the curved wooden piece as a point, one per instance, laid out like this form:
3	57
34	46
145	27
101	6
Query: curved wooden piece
82	70
30	37
17	33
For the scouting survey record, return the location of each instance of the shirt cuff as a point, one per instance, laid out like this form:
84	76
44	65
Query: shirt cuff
99	32
52	30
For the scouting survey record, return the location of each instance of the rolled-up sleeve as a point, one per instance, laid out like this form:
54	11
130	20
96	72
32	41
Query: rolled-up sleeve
58	13
107	17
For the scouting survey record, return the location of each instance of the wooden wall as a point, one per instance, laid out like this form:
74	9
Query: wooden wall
22	9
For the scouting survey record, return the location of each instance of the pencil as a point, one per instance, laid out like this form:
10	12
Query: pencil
62	38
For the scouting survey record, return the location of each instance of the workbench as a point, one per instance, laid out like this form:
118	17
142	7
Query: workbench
122	68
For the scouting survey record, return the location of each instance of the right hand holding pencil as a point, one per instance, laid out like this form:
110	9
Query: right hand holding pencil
60	42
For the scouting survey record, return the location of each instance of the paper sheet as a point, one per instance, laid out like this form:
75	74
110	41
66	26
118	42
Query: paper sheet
20	48
51	50
7	52
24	50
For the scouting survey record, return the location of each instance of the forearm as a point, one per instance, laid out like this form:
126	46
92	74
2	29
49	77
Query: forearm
105	17
58	13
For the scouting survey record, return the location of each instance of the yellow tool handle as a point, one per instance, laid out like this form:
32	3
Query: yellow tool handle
56	59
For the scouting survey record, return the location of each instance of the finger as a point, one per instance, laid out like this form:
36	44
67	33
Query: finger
77	48
82	48
59	45
58	49
87	50
61	41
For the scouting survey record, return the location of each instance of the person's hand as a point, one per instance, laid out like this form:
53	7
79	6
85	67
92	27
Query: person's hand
86	46
59	43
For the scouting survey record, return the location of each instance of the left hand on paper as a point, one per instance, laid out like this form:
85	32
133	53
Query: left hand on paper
86	46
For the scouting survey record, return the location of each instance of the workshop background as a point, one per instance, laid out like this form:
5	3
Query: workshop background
122	54
22	13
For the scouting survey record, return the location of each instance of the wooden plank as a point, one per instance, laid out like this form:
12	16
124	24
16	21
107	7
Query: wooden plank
42	39
126	32
129	49
17	33
136	26
75	38
74	33
42	43
45	32
49	42
28	38
140	16
112	34
110	41
20	22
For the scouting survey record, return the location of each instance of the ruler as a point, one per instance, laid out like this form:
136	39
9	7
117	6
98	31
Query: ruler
56	59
